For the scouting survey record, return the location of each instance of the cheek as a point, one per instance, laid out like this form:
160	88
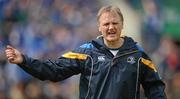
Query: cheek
121	26
103	32
102	29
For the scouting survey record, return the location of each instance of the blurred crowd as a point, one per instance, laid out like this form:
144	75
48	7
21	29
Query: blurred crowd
160	36
47	28
42	29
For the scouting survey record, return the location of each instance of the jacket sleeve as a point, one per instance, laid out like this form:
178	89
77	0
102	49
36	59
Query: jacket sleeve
151	82
68	64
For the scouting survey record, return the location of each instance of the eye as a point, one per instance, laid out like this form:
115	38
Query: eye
105	24
115	23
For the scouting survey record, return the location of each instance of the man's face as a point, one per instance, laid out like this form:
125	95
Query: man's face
110	25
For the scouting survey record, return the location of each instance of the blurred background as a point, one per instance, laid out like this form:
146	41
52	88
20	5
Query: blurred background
45	29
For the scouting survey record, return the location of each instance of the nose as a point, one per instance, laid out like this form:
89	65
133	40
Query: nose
111	26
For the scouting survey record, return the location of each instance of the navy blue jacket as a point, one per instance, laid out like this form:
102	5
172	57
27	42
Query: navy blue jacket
103	76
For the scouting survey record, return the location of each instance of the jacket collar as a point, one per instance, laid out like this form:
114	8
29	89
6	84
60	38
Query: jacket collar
129	43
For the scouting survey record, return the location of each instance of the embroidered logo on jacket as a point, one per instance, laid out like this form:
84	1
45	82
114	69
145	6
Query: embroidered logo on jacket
131	60
101	58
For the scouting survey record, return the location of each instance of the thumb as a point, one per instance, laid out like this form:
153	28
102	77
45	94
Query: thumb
9	47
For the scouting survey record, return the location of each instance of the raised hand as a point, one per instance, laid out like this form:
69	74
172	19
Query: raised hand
13	55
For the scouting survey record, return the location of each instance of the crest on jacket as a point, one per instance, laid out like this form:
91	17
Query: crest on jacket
131	60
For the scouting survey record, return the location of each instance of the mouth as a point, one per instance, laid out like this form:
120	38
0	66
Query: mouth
111	33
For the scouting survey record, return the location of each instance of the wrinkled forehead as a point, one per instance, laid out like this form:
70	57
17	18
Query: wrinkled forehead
109	16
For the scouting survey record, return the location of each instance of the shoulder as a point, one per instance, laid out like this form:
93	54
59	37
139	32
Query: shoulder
139	48
84	48
143	53
88	45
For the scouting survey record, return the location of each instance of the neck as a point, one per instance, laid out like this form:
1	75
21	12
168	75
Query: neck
114	44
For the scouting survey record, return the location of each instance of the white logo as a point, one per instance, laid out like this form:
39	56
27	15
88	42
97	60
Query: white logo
131	60
101	58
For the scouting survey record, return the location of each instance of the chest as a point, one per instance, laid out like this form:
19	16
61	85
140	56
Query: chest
125	63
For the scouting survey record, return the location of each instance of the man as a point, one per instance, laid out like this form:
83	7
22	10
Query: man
111	66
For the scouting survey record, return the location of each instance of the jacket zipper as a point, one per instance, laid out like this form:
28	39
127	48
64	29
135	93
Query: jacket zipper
103	84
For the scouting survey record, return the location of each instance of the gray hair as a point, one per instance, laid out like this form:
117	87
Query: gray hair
109	9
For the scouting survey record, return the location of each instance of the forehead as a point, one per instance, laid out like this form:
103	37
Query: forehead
109	16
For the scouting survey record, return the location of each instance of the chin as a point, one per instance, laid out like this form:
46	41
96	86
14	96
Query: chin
112	40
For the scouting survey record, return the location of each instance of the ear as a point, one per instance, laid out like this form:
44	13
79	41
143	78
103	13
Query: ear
122	26
99	29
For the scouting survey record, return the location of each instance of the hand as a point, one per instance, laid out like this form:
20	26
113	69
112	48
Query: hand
13	55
